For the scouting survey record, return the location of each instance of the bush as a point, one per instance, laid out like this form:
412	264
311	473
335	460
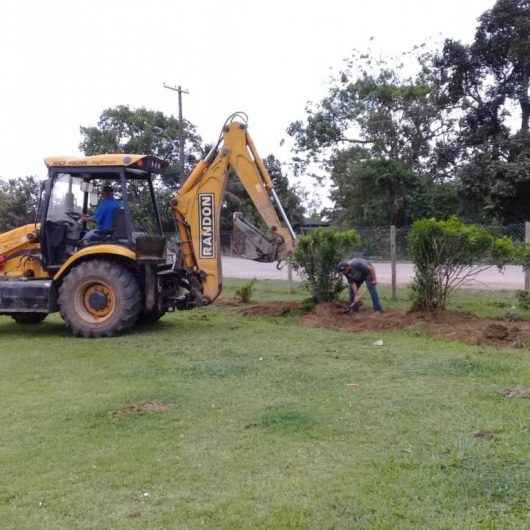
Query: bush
523	300
245	292
522	255
448	253
316	256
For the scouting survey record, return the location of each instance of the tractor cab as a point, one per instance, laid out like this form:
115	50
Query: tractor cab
102	199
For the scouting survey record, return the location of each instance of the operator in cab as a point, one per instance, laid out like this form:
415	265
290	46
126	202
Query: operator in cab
103	216
358	271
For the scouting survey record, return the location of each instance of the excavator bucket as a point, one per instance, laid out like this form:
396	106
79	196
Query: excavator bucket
250	243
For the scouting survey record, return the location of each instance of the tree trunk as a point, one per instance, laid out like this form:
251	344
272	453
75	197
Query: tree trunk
525	118
524	101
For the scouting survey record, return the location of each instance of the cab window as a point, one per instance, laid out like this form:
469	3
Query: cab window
66	196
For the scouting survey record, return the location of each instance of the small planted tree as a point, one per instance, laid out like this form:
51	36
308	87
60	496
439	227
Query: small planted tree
316	257
245	292
447	254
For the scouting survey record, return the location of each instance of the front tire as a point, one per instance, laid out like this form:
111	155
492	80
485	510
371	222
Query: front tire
28	318
99	298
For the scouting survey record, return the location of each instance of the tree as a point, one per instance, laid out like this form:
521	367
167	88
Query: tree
489	80
379	192
18	202
316	256
125	130
290	196
447	254
378	127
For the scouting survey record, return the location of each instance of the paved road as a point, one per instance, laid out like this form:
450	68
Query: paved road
511	278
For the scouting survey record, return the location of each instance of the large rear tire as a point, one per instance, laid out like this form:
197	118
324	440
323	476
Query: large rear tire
28	318
99	298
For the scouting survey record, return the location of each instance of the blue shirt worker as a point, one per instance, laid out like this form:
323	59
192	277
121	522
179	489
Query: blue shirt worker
358	271
103	216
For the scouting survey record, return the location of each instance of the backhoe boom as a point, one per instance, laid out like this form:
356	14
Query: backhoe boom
197	205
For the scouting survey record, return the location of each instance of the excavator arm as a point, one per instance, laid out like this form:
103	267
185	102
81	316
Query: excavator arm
197	205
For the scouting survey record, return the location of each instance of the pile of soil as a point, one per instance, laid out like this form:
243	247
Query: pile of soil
448	325
142	408
271	309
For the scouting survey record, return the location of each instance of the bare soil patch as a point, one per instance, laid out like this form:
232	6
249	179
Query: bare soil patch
230	302
271	309
448	325
141	408
516	393
484	435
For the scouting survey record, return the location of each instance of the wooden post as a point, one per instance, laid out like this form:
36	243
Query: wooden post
527	271
393	258
290	277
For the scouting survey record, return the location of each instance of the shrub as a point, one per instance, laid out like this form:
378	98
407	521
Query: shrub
523	300
245	292
522	255
448	253
316	257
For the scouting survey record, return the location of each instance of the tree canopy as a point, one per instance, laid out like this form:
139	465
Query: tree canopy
18	202
489	81
384	139
125	130
450	136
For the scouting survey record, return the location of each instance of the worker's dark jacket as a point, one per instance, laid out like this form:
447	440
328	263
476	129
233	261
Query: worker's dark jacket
360	271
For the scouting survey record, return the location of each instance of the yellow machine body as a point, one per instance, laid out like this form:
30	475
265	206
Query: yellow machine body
104	287
94	251
20	253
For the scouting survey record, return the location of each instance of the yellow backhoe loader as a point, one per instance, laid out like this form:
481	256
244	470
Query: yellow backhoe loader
105	284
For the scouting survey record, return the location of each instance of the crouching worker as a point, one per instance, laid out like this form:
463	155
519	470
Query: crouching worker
358	271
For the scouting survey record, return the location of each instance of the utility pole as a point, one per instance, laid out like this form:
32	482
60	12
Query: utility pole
180	91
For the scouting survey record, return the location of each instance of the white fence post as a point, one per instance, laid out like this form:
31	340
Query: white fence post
290	277
393	257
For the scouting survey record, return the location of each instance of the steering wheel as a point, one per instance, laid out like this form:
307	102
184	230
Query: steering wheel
75	216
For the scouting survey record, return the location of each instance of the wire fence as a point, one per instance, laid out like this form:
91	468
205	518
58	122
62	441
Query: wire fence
376	245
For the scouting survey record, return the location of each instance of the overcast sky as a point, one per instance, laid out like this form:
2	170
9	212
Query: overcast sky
64	61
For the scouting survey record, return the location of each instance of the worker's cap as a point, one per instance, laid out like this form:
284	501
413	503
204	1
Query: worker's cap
107	188
342	267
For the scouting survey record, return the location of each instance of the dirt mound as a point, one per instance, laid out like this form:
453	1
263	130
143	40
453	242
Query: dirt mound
334	315
271	309
229	302
142	408
516	393
485	435
496	331
449	325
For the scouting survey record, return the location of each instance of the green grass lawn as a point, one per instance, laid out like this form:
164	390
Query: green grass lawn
270	425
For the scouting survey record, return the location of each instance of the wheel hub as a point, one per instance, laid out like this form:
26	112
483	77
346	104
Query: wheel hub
97	300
